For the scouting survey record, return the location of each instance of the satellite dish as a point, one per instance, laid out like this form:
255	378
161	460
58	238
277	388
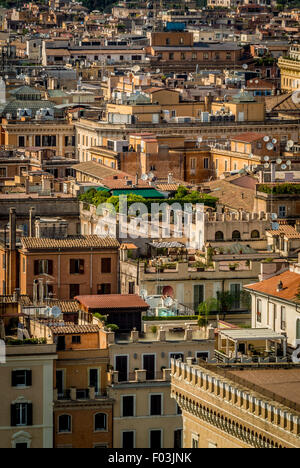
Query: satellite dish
283	167
270	146
266	158
200	139
296	97
274	216
55	312
151	175
289	163
22	157
144	177
157	71
245	66
136	68
266	139
279	161
255	166
290	143
251	155
274	141
168	302
266	166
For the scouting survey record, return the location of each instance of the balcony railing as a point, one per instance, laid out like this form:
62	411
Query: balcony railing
78	394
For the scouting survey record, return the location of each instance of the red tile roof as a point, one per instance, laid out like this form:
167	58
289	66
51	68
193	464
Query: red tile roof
291	286
248	137
288	231
112	301
72	329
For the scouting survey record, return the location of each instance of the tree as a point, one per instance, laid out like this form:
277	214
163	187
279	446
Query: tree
225	302
205	309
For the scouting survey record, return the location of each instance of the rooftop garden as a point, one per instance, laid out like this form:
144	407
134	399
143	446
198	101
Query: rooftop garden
30	341
182	196
279	189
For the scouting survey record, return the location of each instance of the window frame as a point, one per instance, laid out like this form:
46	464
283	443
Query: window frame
58	424
161	395
105	429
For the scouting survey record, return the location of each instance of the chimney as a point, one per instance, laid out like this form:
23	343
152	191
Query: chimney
279	286
170	178
16	295
35	292
12	229
31	222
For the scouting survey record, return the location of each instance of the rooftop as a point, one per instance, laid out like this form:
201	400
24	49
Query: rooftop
71	329
77	242
113	301
289	291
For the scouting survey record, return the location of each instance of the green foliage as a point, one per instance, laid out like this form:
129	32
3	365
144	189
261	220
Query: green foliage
100	317
177	317
30	341
280	189
205	309
112	327
153	329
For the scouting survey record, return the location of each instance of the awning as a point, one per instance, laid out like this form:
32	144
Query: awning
146	193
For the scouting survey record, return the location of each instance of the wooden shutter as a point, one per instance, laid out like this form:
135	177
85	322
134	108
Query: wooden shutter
13	415
29	378
29	414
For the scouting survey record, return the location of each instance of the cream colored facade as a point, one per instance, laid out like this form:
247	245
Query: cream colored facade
137	385
221	413
39	359
290	69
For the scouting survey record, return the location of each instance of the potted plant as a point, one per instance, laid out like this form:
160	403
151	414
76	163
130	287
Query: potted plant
233	266
200	266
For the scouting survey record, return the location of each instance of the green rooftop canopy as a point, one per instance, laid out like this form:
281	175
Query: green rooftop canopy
145	193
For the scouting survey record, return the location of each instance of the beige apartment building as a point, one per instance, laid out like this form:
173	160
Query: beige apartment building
26	392
144	414
237	407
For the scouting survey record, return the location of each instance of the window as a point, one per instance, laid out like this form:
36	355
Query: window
128	406
182	55
100	422
193	163
43	267
236	235
178	439
194	55
181	41
205	56
76	339
48	140
94	379
255	234
282	211
156	439
195	442
226	166
155	405
128	441
21	141
235	291
167	41
206	163
3	171
198	296
74	290
171	56
76	266
21	414
131	287
219	236
106	265
149	365
258	310
104	288
37	140
121	365
283	318
176	356
64	423
21	378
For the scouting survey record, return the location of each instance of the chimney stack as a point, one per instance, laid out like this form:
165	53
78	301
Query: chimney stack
31	222
280	286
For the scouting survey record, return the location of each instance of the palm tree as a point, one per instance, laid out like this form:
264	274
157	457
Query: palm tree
225	302
205	309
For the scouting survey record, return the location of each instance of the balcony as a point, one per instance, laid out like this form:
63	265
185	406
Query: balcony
78	394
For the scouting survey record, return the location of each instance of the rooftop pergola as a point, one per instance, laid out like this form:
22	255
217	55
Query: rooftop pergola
240	335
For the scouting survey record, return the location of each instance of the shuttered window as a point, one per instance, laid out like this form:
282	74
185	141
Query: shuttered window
21	414
21	378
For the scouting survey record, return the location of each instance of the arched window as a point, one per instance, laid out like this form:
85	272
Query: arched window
100	422
255	234
64	423
219	236
236	235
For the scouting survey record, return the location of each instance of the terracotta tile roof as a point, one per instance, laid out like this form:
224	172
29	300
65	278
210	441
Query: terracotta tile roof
167	187
281	103
24	300
290	281
113	301
288	231
127	246
73	242
65	306
71	328
231	195
248	137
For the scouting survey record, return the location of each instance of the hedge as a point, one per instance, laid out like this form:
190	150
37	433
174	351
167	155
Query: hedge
177	317
30	341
